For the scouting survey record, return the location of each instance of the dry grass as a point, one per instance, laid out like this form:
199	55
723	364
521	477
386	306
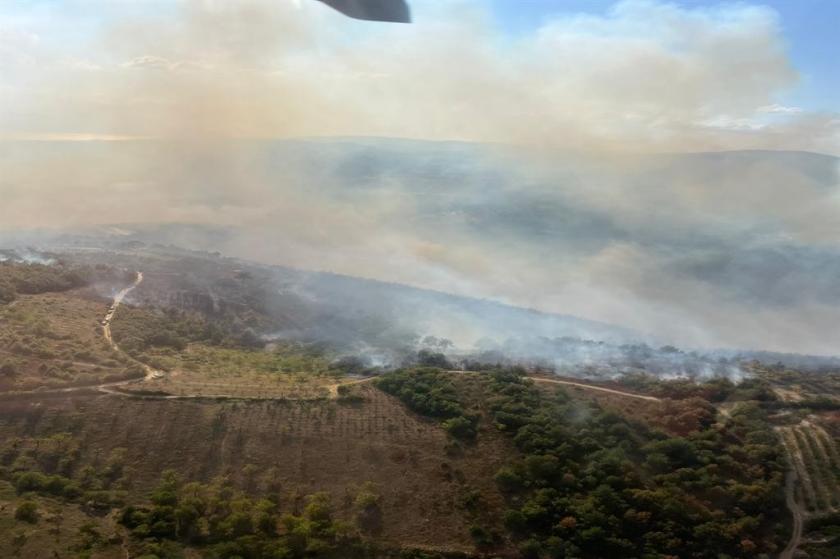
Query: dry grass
57	531
55	340
276	373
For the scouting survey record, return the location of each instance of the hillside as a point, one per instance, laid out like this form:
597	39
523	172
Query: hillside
428	482
178	404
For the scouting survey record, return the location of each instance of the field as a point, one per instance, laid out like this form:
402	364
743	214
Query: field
291	448
59	528
796	386
54	340
277	372
807	418
817	463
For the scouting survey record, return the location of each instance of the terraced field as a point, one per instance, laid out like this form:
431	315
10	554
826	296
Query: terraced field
816	461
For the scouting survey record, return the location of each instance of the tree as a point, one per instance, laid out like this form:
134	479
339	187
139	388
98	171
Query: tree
368	511
460	427
426	358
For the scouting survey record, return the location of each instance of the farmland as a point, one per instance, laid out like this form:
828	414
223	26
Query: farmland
284	448
191	402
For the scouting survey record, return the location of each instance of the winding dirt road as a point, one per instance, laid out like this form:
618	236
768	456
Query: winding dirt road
118	299
106	331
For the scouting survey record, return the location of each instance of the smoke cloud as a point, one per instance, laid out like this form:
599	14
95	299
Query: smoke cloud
690	79
552	197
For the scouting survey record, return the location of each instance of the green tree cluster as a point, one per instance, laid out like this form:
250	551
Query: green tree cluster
227	524
591	484
429	391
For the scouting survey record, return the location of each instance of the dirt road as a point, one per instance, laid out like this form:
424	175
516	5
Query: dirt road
118	299
333	389
598	388
106	331
797	513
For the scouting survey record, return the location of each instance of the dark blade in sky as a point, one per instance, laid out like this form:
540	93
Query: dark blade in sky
374	10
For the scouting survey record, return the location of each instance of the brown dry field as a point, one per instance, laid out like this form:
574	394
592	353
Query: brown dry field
64	329
188	384
301	446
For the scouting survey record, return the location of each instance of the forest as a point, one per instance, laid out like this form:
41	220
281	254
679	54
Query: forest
590	483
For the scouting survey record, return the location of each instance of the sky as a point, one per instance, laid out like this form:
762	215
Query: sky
809	28
693	75
588	209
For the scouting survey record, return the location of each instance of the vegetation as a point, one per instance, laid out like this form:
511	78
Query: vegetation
137	330
823	537
431	392
27	511
589	483
592	484
50	466
55	340
227	523
715	390
19	278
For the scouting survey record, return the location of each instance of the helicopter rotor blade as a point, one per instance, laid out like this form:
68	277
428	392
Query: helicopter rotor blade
396	11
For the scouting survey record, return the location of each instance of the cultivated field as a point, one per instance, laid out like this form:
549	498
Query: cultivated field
816	461
289	448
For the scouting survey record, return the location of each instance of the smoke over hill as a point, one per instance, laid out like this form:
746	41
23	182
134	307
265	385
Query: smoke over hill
700	250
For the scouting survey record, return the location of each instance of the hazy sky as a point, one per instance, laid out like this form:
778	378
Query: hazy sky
808	27
649	75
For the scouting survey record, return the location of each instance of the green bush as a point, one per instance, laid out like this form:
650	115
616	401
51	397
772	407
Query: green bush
27	511
431	392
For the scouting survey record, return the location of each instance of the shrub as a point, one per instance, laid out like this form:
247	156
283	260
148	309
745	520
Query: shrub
27	511
460	427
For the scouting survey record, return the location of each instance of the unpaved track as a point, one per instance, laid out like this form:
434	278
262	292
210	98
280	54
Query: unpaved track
797	513
333	388
106	331
795	454
118	299
598	388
